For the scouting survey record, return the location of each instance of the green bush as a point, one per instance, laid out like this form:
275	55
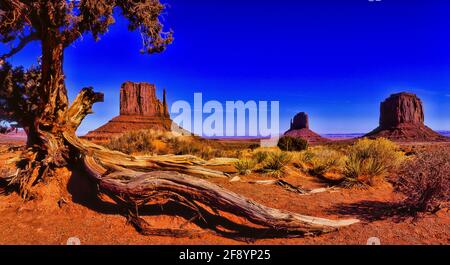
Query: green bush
368	159
287	143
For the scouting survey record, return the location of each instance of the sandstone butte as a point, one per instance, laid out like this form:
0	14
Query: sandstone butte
300	129
402	119
139	109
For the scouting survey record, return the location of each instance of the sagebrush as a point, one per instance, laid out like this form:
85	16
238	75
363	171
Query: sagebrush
425	180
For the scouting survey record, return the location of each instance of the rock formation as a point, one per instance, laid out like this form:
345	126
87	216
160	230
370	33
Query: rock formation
402	119
300	128
139	109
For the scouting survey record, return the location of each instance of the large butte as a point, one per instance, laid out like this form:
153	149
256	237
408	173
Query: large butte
402	119
139	109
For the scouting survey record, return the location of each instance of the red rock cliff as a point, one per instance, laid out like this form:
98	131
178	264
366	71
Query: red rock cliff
402	119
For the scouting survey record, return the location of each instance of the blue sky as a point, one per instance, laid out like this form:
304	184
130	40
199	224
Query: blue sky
336	60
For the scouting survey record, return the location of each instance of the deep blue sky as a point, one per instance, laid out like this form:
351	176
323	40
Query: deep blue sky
336	60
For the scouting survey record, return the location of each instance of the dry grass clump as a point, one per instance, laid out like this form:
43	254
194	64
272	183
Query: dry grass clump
320	161
276	163
370	159
325	160
425	180
245	166
260	156
135	142
158	143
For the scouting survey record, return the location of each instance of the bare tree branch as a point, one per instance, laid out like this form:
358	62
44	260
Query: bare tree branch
23	42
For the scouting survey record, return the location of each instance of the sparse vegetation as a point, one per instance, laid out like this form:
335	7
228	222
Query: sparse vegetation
324	160
156	142
368	159
260	156
287	143
133	142
244	166
425	180
276	163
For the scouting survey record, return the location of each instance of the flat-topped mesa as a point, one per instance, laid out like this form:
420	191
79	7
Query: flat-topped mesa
139	109
402	118
401	108
300	129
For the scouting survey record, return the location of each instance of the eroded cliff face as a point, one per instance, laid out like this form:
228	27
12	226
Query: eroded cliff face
402	118
139	109
401	108
140	99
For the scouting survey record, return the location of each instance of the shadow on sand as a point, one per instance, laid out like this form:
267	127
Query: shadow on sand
370	211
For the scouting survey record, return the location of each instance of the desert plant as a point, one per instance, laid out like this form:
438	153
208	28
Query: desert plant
244	166
302	160
287	143
425	180
260	156
276	163
254	146
368	159
133	142
324	160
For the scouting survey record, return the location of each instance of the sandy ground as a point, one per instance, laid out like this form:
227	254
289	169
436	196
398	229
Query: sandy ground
96	222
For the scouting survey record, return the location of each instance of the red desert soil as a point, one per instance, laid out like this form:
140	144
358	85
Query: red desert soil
94	222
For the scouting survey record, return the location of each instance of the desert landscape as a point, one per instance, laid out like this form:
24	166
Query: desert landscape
316	178
141	178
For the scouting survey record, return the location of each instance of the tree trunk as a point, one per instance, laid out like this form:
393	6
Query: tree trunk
45	142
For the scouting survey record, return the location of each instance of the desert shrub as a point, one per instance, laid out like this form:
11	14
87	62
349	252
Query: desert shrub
425	180
276	163
302	160
244	166
260	156
287	143
133	142
254	146
324	160
157	142
368	159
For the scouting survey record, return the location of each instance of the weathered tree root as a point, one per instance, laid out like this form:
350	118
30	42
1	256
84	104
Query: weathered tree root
212	204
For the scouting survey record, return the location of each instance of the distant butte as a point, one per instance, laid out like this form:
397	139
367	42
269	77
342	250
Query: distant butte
402	119
139	109
300	129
